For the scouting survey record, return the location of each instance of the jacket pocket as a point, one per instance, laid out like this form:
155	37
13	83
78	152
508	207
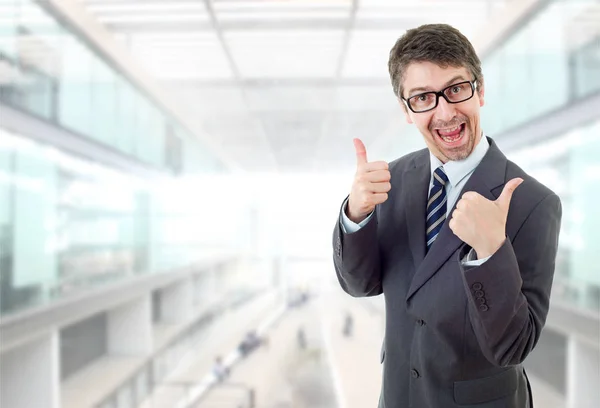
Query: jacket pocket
487	389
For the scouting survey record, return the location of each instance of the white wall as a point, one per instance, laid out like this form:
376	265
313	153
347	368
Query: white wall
29	375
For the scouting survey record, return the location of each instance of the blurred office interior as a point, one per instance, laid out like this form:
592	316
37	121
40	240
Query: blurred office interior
171	172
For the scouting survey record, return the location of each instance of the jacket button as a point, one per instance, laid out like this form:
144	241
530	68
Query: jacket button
414	373
421	322
481	301
479	293
483	308
477	286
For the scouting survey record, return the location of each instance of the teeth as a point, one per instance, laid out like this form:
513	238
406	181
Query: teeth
447	138
449	130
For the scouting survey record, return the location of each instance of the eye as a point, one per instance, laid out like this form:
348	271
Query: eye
456	89
422	98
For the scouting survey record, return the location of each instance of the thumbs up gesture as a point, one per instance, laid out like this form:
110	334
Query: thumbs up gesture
370	187
481	223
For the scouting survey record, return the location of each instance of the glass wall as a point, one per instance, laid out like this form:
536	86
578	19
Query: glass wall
68	224
570	165
48	71
552	60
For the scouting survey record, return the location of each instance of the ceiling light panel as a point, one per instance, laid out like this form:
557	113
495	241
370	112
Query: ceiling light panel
166	17
368	53
114	7
421	12
285	53
244	5
276	15
467	16
458	4
130	11
172	56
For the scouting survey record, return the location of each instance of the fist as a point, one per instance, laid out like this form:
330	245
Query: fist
481	223
370	187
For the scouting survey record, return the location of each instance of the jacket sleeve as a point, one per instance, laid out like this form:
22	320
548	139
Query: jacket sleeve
509	294
356	259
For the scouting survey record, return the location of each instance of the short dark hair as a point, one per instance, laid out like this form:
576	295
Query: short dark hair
440	44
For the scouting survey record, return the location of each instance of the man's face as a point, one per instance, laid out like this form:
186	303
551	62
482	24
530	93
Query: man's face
451	131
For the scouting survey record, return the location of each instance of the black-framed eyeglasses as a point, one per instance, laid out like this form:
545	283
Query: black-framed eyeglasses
455	93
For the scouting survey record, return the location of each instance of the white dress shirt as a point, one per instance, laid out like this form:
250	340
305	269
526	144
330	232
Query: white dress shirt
458	173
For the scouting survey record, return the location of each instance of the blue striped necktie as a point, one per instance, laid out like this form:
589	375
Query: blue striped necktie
436	206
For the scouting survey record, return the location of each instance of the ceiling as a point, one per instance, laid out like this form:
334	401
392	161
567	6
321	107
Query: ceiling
284	85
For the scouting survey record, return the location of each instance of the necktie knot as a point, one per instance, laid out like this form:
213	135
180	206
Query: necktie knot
439	177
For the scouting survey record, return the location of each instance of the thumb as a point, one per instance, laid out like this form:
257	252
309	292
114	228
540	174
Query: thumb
509	188
361	151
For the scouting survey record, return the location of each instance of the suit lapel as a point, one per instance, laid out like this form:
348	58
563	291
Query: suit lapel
488	175
415	183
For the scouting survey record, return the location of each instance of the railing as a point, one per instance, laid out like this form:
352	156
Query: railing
246	398
138	387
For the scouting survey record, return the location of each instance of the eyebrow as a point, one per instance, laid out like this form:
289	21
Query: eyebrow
428	89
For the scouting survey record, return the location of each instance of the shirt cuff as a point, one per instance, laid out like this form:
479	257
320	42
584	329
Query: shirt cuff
471	259
349	226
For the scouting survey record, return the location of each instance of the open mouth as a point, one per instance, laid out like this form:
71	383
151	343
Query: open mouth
451	136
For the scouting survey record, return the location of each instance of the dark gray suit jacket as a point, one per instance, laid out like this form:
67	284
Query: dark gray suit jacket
455	336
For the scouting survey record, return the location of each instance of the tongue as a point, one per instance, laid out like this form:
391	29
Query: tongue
451	134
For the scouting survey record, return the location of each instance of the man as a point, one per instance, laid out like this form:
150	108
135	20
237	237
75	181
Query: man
220	370
464	258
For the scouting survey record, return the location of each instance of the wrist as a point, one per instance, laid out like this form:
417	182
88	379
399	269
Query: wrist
354	218
483	252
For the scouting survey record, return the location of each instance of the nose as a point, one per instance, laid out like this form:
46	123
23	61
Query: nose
445	111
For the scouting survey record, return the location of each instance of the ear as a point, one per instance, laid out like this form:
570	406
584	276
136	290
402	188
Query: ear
481	91
406	112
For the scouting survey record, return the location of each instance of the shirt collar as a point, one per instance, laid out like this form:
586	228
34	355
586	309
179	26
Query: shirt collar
457	170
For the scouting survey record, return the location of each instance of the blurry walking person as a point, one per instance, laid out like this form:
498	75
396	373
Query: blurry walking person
301	338
348	325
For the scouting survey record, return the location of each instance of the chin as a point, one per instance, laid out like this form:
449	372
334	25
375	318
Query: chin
458	154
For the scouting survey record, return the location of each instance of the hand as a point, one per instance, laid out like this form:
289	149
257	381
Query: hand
370	187
481	223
